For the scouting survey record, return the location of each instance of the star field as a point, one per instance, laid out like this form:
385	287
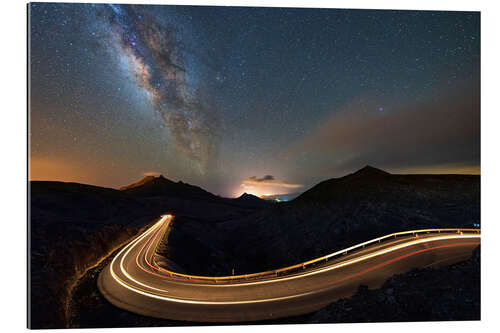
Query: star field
217	95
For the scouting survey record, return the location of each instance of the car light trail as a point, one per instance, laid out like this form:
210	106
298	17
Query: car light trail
134	270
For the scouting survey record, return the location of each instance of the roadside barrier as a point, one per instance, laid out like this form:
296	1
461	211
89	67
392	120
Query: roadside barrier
308	264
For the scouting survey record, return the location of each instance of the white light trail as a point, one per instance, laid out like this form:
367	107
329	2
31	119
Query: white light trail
127	250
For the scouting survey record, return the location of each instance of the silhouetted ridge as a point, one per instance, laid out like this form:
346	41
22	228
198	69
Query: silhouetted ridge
247	201
367	181
139	183
340	212
246	196
74	225
369	171
160	186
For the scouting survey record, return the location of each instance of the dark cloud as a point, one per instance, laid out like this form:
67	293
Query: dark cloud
268	181
266	178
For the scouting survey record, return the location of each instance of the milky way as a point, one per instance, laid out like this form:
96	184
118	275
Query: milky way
154	54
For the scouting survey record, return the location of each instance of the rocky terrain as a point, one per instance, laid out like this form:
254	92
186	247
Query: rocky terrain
447	293
74	226
332	215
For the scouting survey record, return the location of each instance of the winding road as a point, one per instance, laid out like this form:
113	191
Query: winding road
133	281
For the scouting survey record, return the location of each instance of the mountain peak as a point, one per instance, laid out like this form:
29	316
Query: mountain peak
148	179
141	182
246	195
151	186
368	170
250	200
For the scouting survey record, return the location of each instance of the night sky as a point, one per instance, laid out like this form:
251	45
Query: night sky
262	100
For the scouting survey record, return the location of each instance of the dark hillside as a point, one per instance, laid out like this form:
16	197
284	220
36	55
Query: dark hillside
73	226
338	213
250	200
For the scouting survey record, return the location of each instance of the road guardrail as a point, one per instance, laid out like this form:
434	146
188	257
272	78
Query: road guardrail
307	264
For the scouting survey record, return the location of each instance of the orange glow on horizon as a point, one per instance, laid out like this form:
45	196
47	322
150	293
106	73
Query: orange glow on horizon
71	170
441	170
48	169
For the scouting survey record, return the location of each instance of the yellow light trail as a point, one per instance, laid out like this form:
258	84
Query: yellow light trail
125	252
